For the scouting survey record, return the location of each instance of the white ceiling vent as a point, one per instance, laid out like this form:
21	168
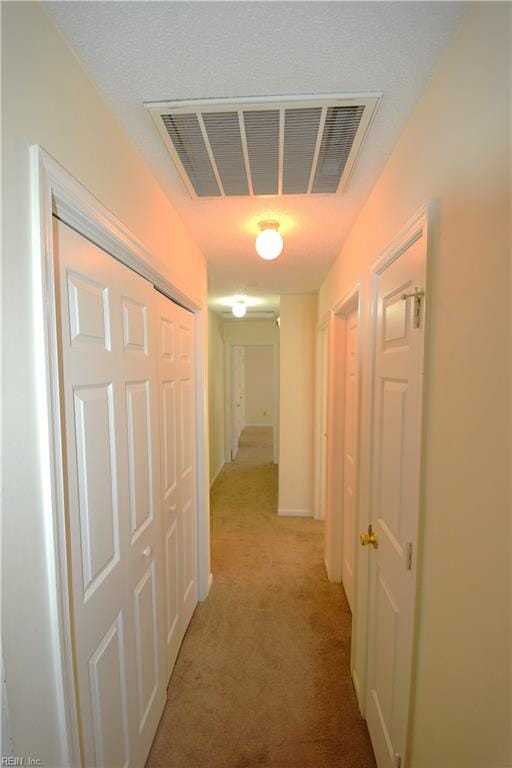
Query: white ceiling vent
265	147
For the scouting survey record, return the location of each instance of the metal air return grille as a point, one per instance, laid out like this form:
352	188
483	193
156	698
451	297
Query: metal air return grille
265	147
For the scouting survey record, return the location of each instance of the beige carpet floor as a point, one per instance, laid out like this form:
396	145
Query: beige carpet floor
262	678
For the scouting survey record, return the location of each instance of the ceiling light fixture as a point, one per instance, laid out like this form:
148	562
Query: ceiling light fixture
239	308
269	242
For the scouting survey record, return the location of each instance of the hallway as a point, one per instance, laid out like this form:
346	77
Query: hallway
262	678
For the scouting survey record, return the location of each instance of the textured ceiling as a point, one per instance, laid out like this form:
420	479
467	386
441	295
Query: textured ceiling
152	51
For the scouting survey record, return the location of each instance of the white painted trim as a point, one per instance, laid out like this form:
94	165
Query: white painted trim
295	513
54	190
260	424
217	474
351	300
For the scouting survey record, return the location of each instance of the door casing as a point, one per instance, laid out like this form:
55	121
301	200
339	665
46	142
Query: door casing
352	301
55	192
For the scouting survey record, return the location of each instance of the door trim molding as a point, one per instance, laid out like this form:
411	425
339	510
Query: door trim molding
351	301
55	191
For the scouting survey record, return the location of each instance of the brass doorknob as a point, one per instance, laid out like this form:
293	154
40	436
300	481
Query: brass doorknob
369	538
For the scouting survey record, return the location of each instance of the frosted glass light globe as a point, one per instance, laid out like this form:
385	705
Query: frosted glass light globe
269	244
239	309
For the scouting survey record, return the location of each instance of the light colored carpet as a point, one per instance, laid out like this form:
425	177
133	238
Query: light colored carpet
262	678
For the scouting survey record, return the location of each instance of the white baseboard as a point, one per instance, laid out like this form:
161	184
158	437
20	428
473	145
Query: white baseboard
217	474
259	424
294	513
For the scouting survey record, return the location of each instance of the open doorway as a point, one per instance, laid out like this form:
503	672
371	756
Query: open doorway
254	393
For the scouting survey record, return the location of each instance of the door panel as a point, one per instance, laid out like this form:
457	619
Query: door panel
95	451
139	455
168	399
146	633
176	385
172	581
108	698
185	421
114	521
397	394
88	311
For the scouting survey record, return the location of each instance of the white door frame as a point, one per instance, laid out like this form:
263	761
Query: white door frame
55	191
350	302
321	374
228	411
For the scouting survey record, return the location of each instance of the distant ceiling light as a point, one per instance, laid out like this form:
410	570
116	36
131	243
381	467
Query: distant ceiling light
269	242
239	308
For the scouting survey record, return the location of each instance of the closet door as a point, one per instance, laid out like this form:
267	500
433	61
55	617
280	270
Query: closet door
114	522
176	385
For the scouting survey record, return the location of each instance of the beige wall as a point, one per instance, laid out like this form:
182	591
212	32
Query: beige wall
216	392
259	385
296	403
48	100
455	149
251	332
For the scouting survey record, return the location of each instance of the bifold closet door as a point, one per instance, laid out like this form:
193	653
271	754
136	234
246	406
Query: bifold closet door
109	384
176	385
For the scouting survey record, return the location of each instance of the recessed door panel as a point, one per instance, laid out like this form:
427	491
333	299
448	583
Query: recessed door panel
108	699
146	643
185	343
390	455
135	325
97	482
172	598
88	311
395	319
140	455
167	339
186	423
188	554
168	429
386	624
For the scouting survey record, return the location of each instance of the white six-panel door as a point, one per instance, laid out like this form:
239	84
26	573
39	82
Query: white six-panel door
112	433
176	386
395	502
350	457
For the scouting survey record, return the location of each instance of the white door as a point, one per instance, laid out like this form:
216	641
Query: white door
114	522
238	391
176	386
350	457
397	393
324	362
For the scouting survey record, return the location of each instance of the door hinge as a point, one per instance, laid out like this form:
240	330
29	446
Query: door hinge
398	760
417	296
408	556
